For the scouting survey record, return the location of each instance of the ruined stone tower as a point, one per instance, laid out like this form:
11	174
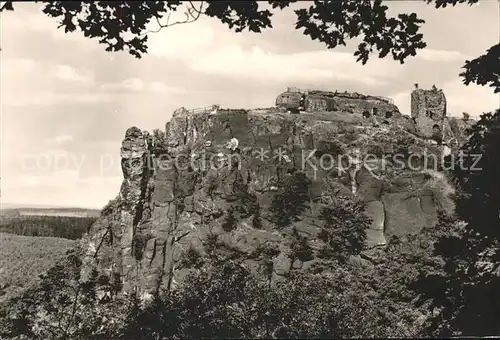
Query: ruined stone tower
428	108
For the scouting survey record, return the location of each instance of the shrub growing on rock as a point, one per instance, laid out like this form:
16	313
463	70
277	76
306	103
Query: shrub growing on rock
191	258
159	142
292	201
300	248
344	232
230	222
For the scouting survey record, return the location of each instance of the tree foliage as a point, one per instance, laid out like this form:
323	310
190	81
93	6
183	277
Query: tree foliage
63	306
24	258
345	227
53	226
484	70
471	252
123	25
231	303
287	206
158	143
479	202
342	300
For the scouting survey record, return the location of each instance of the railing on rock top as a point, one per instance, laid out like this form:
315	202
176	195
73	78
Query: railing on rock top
387	99
206	109
296	90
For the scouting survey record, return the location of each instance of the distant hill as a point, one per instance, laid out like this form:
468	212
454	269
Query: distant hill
12	210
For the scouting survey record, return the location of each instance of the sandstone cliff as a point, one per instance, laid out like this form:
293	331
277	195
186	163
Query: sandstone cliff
211	182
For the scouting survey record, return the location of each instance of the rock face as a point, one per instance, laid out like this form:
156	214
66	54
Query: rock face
455	129
211	187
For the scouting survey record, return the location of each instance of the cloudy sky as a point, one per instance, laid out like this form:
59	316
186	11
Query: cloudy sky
66	103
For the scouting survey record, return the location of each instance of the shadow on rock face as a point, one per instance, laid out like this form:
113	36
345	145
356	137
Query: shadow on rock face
176	209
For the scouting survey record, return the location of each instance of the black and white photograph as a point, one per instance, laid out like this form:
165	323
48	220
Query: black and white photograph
249	169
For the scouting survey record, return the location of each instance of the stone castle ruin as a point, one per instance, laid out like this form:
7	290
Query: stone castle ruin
428	117
429	113
428	109
297	100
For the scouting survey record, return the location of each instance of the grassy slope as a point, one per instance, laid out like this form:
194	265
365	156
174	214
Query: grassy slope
24	258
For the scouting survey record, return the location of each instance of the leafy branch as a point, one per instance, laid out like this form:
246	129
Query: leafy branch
192	14
121	25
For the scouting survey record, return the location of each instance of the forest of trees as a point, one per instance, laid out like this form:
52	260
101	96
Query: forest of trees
52	226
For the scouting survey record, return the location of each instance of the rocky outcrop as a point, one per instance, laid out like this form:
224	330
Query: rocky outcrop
455	130
209	192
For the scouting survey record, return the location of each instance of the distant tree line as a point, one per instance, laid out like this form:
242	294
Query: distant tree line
68	227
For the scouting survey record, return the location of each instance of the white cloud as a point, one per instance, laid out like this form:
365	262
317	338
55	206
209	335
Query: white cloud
132	84
68	73
17	20
257	64
67	175
27	82
181	40
403	101
16	99
161	87
34	20
21	65
473	99
429	54
61	178
105	180
25	73
63	188
158	86
18	74
47	164
137	85
60	139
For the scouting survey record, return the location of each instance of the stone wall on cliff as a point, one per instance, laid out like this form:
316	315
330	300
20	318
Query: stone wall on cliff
351	103
428	108
212	186
338	103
